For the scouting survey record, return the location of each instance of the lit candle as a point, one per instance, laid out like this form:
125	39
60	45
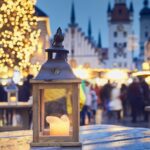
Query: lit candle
58	126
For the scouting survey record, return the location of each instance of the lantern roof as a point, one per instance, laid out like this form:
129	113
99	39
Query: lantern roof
56	67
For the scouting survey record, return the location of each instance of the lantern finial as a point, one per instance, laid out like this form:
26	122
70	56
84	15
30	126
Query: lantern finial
58	38
56	67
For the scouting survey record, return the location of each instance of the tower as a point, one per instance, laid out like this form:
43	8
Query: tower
120	19
119	1
82	49
99	45
144	27
89	30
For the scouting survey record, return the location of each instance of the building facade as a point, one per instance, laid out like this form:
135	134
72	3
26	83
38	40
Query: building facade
82	49
120	19
43	24
144	31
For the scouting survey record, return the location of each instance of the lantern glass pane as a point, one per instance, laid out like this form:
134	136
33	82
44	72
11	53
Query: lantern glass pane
56	112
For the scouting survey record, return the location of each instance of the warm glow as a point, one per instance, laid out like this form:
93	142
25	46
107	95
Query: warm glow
81	72
141	73
20	83
148	80
13	99
58	126
34	68
116	75
19	34
16	76
4	82
99	81
146	66
130	80
40	48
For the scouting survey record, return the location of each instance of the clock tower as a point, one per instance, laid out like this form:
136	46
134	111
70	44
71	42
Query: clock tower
144	29
120	28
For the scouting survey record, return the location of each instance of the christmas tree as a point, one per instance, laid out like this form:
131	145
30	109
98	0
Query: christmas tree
18	33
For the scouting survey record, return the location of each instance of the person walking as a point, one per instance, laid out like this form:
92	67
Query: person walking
124	100
115	105
146	97
134	95
105	94
3	94
86	110
25	91
94	104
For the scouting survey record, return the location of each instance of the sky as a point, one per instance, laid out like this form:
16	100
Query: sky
96	10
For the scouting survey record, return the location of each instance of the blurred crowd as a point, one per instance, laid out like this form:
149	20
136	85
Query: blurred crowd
115	101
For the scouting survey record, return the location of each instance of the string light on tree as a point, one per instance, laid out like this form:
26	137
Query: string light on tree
19	34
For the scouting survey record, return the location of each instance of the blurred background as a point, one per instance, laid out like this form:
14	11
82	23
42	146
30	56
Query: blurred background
109	49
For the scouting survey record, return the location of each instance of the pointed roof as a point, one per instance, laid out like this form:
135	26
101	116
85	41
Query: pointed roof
109	8
146	10
89	29
145	3
131	7
72	18
120	12
119	1
39	12
99	45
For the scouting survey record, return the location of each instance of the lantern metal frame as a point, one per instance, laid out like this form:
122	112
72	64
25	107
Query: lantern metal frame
55	73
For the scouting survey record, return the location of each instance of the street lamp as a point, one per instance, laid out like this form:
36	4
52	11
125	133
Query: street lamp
56	100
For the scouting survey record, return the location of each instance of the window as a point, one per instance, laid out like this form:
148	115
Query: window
115	34
124	33
115	55
125	45
125	64
115	44
146	34
125	55
72	52
142	47
120	12
115	64
120	64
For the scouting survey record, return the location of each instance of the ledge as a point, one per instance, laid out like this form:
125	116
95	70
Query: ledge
101	137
